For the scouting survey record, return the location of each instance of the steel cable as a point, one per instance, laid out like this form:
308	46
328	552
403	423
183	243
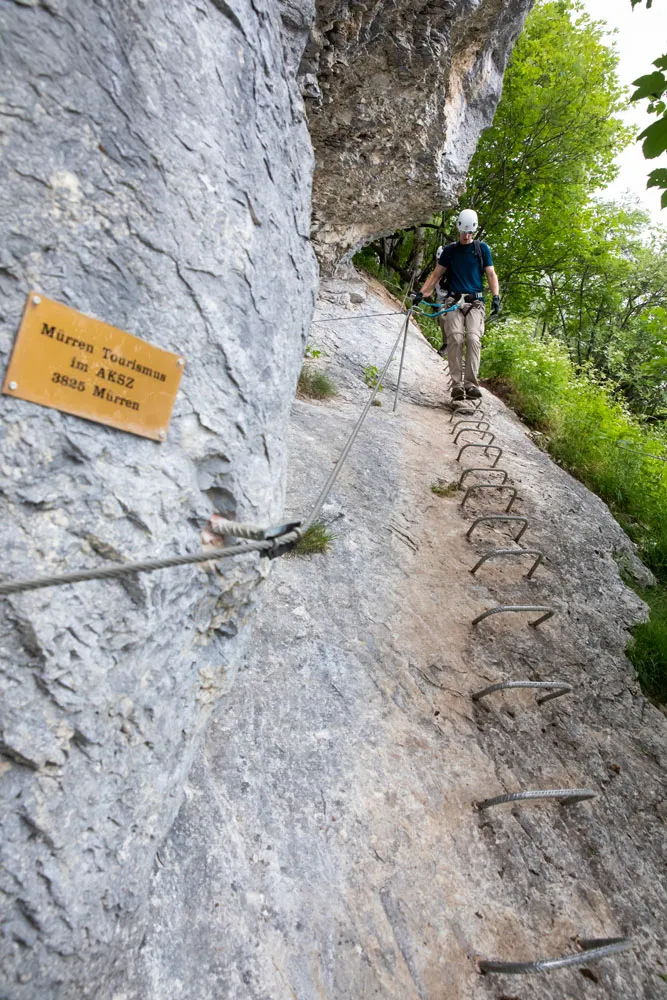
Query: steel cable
324	492
270	540
147	566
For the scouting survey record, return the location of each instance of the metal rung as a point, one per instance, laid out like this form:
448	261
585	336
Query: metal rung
566	797
498	517
470	420
549	612
482	469
477	415
557	689
475	430
491	486
485	446
592	950
512	552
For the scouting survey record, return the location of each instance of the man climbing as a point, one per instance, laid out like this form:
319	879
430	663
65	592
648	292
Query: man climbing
464	265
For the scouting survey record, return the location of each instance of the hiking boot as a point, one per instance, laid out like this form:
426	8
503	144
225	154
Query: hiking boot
473	392
458	394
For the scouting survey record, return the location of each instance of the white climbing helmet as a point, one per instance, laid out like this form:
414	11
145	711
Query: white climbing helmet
467	221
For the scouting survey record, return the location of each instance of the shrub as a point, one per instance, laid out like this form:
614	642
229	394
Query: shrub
371	376
591	433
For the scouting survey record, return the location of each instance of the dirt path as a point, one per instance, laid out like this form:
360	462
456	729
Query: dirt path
329	847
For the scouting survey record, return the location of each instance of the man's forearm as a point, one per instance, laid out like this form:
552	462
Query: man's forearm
492	278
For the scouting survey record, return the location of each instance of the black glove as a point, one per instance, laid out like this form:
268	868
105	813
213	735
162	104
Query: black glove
495	305
417	297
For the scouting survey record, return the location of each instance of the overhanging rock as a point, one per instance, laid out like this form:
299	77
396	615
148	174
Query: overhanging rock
397	96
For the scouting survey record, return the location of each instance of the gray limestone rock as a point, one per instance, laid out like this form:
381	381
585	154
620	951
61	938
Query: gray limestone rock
403	92
156	174
329	845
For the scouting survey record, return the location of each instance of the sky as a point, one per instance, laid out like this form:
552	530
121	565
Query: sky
641	38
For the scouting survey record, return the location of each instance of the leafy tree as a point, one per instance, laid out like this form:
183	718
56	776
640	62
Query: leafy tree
554	141
653	86
594	275
608	303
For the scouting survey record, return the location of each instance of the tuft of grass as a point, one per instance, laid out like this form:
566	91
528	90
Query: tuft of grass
317	538
315	384
442	489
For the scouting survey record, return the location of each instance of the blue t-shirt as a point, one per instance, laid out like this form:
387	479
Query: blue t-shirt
464	273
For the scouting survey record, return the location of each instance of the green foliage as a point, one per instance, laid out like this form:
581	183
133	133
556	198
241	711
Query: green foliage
371	376
593	275
537	371
590	432
317	538
431	330
315	384
312	352
554	141
653	87
648	649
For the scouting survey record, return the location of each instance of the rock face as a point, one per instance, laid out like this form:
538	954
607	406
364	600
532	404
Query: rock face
397	95
329	845
156	174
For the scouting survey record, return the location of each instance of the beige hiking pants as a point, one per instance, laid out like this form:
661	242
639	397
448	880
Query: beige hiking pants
465	322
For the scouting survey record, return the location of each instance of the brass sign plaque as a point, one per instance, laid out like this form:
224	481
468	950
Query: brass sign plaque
74	363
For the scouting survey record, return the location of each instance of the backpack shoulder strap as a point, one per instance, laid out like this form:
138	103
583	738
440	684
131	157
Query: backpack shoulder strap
477	244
